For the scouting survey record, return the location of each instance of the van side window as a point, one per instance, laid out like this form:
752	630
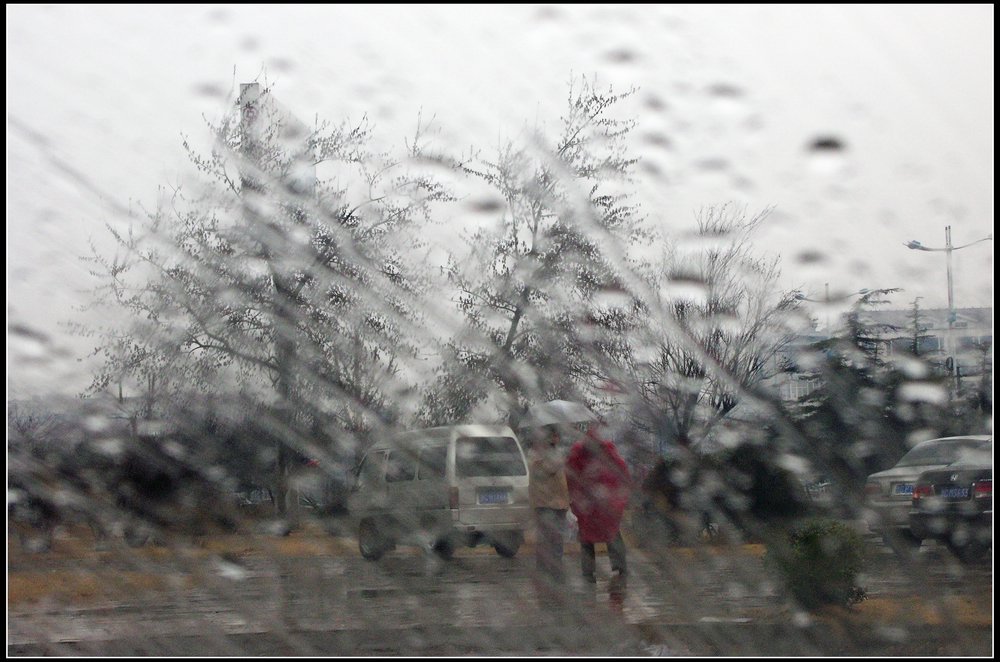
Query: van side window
433	463
371	468
401	467
488	456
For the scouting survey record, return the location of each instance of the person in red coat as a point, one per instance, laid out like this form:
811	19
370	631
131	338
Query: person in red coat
598	482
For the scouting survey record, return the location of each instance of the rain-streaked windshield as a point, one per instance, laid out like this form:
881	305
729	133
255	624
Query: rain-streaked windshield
265	262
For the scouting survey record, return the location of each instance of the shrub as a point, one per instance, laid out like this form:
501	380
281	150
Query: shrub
820	563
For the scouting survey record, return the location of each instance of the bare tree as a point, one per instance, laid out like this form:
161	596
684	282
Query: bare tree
285	278
530	280
710	331
29	425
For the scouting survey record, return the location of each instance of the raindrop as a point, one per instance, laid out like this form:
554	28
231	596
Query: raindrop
29	133
725	90
713	164
111	446
28	344
827	144
651	168
811	257
613	299
548	14
923	392
827	161
28	332
621	55
174	449
658	139
250	43
860	267
754	123
281	64
913	368
486	205
686	289
654	102
919	436
209	90
278	528
230	570
894	634
219	16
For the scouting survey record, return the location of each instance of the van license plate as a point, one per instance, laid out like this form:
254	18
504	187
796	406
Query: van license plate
491	496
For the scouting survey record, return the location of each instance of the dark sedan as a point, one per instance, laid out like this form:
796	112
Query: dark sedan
955	504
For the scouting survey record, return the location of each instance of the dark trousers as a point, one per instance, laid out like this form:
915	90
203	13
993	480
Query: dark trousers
549	546
616	552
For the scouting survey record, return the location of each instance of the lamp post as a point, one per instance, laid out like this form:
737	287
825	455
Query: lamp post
948	248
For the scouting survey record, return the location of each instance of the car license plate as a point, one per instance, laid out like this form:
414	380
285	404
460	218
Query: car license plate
955	492
902	488
492	496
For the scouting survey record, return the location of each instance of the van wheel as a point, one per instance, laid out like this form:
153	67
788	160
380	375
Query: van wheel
506	545
370	542
136	536
444	548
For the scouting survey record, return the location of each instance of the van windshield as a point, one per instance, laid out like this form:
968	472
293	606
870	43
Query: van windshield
488	456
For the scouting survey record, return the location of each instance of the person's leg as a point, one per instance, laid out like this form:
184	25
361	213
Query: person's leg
558	528
588	559
548	551
616	551
543	538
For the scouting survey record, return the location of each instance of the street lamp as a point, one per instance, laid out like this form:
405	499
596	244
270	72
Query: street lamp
948	248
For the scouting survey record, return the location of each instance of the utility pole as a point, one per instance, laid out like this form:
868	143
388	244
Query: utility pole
949	340
828	310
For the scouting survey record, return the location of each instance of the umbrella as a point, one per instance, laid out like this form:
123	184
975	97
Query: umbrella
557	412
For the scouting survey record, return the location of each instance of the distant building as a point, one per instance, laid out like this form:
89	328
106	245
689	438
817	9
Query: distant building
971	332
791	380
971	338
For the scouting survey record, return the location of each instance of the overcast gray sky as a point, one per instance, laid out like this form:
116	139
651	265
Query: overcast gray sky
730	99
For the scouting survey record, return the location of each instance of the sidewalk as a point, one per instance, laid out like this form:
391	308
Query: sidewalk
703	600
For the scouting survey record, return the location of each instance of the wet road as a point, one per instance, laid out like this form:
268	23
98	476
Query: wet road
701	601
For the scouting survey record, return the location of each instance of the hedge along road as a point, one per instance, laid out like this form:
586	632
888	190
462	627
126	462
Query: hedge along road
312	594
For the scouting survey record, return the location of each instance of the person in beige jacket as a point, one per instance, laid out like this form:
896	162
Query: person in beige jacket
549	497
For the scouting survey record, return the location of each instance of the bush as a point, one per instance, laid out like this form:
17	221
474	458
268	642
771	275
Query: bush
820	563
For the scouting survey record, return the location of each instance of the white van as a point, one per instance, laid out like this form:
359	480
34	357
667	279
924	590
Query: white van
442	487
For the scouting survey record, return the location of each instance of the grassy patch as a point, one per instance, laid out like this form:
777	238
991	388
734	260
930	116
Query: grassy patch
948	609
76	587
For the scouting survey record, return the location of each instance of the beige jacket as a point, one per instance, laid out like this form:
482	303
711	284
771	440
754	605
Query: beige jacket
547	478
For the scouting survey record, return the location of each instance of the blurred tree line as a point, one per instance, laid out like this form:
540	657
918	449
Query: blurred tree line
316	289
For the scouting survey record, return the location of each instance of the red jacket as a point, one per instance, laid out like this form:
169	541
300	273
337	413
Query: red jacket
598	482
